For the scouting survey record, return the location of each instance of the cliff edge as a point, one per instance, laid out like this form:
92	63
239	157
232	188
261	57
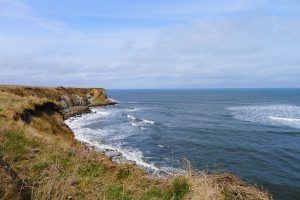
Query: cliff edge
40	159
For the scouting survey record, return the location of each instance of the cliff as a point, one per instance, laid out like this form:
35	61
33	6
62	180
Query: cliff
40	159
69	101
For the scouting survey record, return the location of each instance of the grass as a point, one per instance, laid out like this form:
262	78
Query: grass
117	192
91	169
180	186
15	142
153	193
123	174
40	166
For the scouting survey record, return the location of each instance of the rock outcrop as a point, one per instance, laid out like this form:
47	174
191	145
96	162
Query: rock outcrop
71	101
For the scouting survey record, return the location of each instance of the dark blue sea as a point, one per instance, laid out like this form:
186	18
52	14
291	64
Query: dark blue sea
252	133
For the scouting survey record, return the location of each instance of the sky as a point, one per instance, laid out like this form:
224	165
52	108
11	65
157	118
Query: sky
150	44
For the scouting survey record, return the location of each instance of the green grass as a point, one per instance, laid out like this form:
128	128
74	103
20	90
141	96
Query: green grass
117	192
227	194
153	193
179	188
18	158
123	173
91	169
40	166
15	142
19	148
64	159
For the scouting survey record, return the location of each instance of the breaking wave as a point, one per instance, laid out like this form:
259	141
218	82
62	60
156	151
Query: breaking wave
275	115
139	122
110	140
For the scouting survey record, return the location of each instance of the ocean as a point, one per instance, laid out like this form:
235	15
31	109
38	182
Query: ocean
252	133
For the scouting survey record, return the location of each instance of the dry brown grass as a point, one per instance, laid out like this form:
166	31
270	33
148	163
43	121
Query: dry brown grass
216	186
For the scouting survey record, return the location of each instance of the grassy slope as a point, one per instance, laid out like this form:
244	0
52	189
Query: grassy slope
44	162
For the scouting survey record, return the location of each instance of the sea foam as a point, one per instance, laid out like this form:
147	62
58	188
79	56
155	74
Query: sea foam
112	145
276	115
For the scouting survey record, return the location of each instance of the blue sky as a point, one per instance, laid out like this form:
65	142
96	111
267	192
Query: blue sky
150	44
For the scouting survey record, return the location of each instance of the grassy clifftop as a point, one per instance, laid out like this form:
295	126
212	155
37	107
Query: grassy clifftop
39	158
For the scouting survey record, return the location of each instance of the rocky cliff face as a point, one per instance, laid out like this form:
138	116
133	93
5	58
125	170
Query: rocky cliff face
45	108
71	101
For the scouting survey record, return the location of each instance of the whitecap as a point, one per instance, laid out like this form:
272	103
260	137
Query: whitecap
285	119
132	109
112	147
145	121
120	154
131	117
276	115
134	124
88	118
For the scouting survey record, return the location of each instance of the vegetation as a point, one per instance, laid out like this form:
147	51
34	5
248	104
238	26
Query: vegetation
123	173
178	189
45	162
91	169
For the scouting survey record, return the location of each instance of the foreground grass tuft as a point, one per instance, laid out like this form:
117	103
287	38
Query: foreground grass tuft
91	169
123	173
179	188
40	166
117	192
153	193
15	142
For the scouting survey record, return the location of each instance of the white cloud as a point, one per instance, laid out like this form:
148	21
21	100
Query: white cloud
247	51
13	8
17	9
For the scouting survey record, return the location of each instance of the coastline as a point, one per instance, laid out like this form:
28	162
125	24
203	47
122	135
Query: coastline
117	154
39	112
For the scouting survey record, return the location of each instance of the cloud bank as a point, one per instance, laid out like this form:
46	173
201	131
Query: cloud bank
178	45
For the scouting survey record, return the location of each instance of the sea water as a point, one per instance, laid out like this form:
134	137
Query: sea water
252	133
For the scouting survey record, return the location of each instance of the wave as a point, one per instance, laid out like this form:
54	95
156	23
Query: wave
88	118
145	121
139	122
134	124
131	117
276	115
109	141
117	153
285	119
132	109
